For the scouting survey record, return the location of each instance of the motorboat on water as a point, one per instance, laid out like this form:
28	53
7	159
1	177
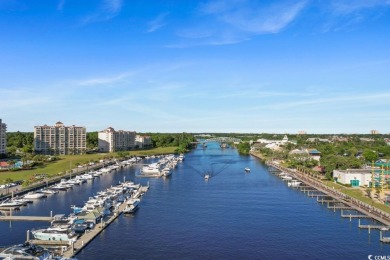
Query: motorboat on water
25	251
286	178
11	203
80	225
131	206
50	234
247	169
49	191
294	183
35	195
166	172
207	176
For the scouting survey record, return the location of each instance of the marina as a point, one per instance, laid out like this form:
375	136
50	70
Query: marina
180	214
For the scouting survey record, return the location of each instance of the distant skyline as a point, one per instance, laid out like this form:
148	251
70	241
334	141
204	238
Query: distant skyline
247	66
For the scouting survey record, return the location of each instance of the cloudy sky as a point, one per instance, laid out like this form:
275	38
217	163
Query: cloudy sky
322	66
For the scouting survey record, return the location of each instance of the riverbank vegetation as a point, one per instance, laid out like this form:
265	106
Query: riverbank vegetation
62	165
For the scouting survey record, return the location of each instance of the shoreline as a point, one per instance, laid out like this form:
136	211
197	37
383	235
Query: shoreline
354	203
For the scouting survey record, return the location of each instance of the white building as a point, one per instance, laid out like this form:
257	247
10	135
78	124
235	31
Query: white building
3	137
143	141
60	139
110	140
277	142
354	177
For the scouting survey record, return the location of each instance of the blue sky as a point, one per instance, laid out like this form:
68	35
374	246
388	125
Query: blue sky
322	66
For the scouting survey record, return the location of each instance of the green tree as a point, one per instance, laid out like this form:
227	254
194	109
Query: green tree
370	155
243	148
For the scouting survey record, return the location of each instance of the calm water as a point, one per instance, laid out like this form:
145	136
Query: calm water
234	215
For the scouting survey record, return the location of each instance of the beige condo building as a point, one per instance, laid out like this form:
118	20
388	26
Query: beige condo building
110	140
60	139
3	137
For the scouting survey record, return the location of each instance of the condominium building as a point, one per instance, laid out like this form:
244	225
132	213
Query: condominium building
3	137
60	139
110	140
374	132
143	141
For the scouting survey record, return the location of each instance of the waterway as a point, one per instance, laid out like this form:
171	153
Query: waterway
233	215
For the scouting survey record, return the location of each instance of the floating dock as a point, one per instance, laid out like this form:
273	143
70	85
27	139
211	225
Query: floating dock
345	202
87	237
25	218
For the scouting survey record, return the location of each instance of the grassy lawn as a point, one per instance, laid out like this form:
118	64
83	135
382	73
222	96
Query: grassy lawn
70	161
357	194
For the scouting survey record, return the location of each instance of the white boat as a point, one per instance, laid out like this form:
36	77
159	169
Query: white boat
286	178
45	234
247	169
152	168
34	195
49	191
11	203
25	251
166	172
207	176
60	186
132	206
294	183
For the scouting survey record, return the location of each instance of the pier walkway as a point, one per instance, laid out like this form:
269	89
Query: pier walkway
364	208
25	218
86	238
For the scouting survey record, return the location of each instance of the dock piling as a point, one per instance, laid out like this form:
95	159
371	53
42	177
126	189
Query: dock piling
28	235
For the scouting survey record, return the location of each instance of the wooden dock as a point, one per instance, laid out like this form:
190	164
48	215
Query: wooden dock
49	242
383	239
338	207
25	218
8	209
87	237
322	200
364	208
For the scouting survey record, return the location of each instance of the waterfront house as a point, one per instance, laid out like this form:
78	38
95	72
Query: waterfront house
4	165
354	177
315	154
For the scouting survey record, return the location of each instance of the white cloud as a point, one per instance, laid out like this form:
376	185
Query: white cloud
233	21
112	6
157	23
105	80
351	6
107	10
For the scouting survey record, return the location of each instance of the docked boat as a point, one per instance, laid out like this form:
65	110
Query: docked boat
166	172
25	251
132	206
50	234
35	195
294	183
286	178
10	203
247	169
80	225
49	191
152	168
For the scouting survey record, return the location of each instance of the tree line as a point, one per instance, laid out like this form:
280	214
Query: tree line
23	142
